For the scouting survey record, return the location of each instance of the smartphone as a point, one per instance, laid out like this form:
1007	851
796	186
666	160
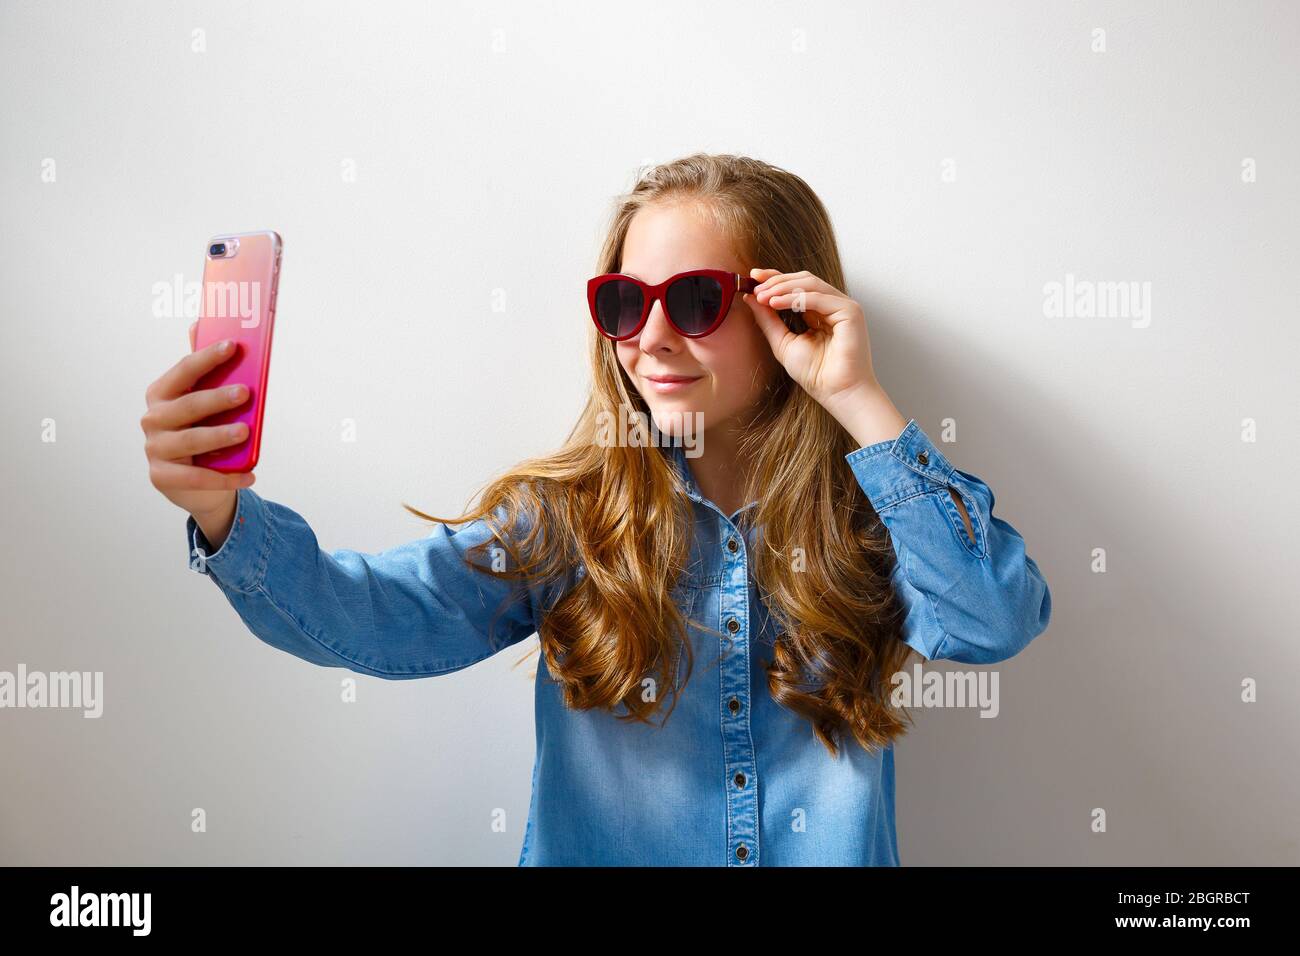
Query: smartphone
241	279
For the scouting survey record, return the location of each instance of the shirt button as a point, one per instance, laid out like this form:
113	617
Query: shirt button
733	625
923	457
732	546
734	705
742	852
740	781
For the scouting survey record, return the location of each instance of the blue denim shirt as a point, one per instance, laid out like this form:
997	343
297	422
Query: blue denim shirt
731	777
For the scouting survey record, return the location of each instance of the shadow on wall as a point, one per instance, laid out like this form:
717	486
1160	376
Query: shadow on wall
1130	701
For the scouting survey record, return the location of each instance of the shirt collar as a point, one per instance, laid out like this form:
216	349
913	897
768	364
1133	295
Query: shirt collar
677	458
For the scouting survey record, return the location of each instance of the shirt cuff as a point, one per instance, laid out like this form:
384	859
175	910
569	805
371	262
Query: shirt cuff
240	562
900	468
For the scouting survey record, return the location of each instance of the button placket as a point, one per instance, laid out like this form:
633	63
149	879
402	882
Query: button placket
737	739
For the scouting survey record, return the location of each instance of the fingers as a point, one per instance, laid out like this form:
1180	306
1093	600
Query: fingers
171	445
820	305
174	476
783	282
192	407
194	331
181	377
770	324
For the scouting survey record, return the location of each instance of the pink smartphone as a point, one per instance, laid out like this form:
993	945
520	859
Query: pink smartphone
241	278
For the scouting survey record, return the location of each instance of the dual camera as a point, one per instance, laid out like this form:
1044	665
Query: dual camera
223	248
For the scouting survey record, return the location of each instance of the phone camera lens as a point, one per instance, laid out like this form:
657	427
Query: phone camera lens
217	249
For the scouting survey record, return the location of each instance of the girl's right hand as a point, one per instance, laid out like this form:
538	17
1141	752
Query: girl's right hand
172	439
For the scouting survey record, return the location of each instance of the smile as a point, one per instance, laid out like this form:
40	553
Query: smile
674	384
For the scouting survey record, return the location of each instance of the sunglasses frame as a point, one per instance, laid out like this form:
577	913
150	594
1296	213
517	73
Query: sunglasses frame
730	282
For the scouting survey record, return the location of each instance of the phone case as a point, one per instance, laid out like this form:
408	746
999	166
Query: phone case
238	303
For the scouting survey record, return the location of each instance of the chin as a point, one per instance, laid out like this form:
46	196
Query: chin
672	419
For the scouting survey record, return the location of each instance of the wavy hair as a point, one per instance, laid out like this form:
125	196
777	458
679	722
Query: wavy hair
824	565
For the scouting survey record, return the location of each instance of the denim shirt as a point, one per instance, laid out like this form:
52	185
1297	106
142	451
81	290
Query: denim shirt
731	778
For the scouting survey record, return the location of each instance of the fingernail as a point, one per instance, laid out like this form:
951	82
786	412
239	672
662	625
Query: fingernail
235	391
224	346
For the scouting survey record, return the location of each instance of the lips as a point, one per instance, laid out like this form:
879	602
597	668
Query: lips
669	384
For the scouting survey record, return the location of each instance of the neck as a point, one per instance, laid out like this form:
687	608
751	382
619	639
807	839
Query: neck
719	472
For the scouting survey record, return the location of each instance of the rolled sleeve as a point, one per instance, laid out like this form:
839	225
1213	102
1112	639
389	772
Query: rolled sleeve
893	470
240	562
975	601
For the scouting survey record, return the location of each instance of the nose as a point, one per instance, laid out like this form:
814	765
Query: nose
657	334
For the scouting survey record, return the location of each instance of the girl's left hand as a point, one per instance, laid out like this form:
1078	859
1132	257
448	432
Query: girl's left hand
832	358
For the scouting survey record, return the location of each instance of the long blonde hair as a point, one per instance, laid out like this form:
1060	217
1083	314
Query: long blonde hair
823	568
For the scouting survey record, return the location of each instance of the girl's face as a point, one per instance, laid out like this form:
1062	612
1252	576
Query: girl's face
730	367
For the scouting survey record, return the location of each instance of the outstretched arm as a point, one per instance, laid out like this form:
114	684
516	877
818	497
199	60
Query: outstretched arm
415	610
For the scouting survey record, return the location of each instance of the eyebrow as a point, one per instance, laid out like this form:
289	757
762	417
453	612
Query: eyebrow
623	271
647	281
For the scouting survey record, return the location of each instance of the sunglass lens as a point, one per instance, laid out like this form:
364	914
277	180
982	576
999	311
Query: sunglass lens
694	303
618	307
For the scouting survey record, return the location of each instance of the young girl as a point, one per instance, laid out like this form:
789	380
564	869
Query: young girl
790	556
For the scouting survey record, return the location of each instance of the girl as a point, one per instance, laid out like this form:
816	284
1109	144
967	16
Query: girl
791	555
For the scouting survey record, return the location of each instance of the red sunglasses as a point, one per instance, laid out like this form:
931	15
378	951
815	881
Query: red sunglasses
695	302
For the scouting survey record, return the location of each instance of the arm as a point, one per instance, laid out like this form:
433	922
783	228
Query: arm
415	610
973	593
